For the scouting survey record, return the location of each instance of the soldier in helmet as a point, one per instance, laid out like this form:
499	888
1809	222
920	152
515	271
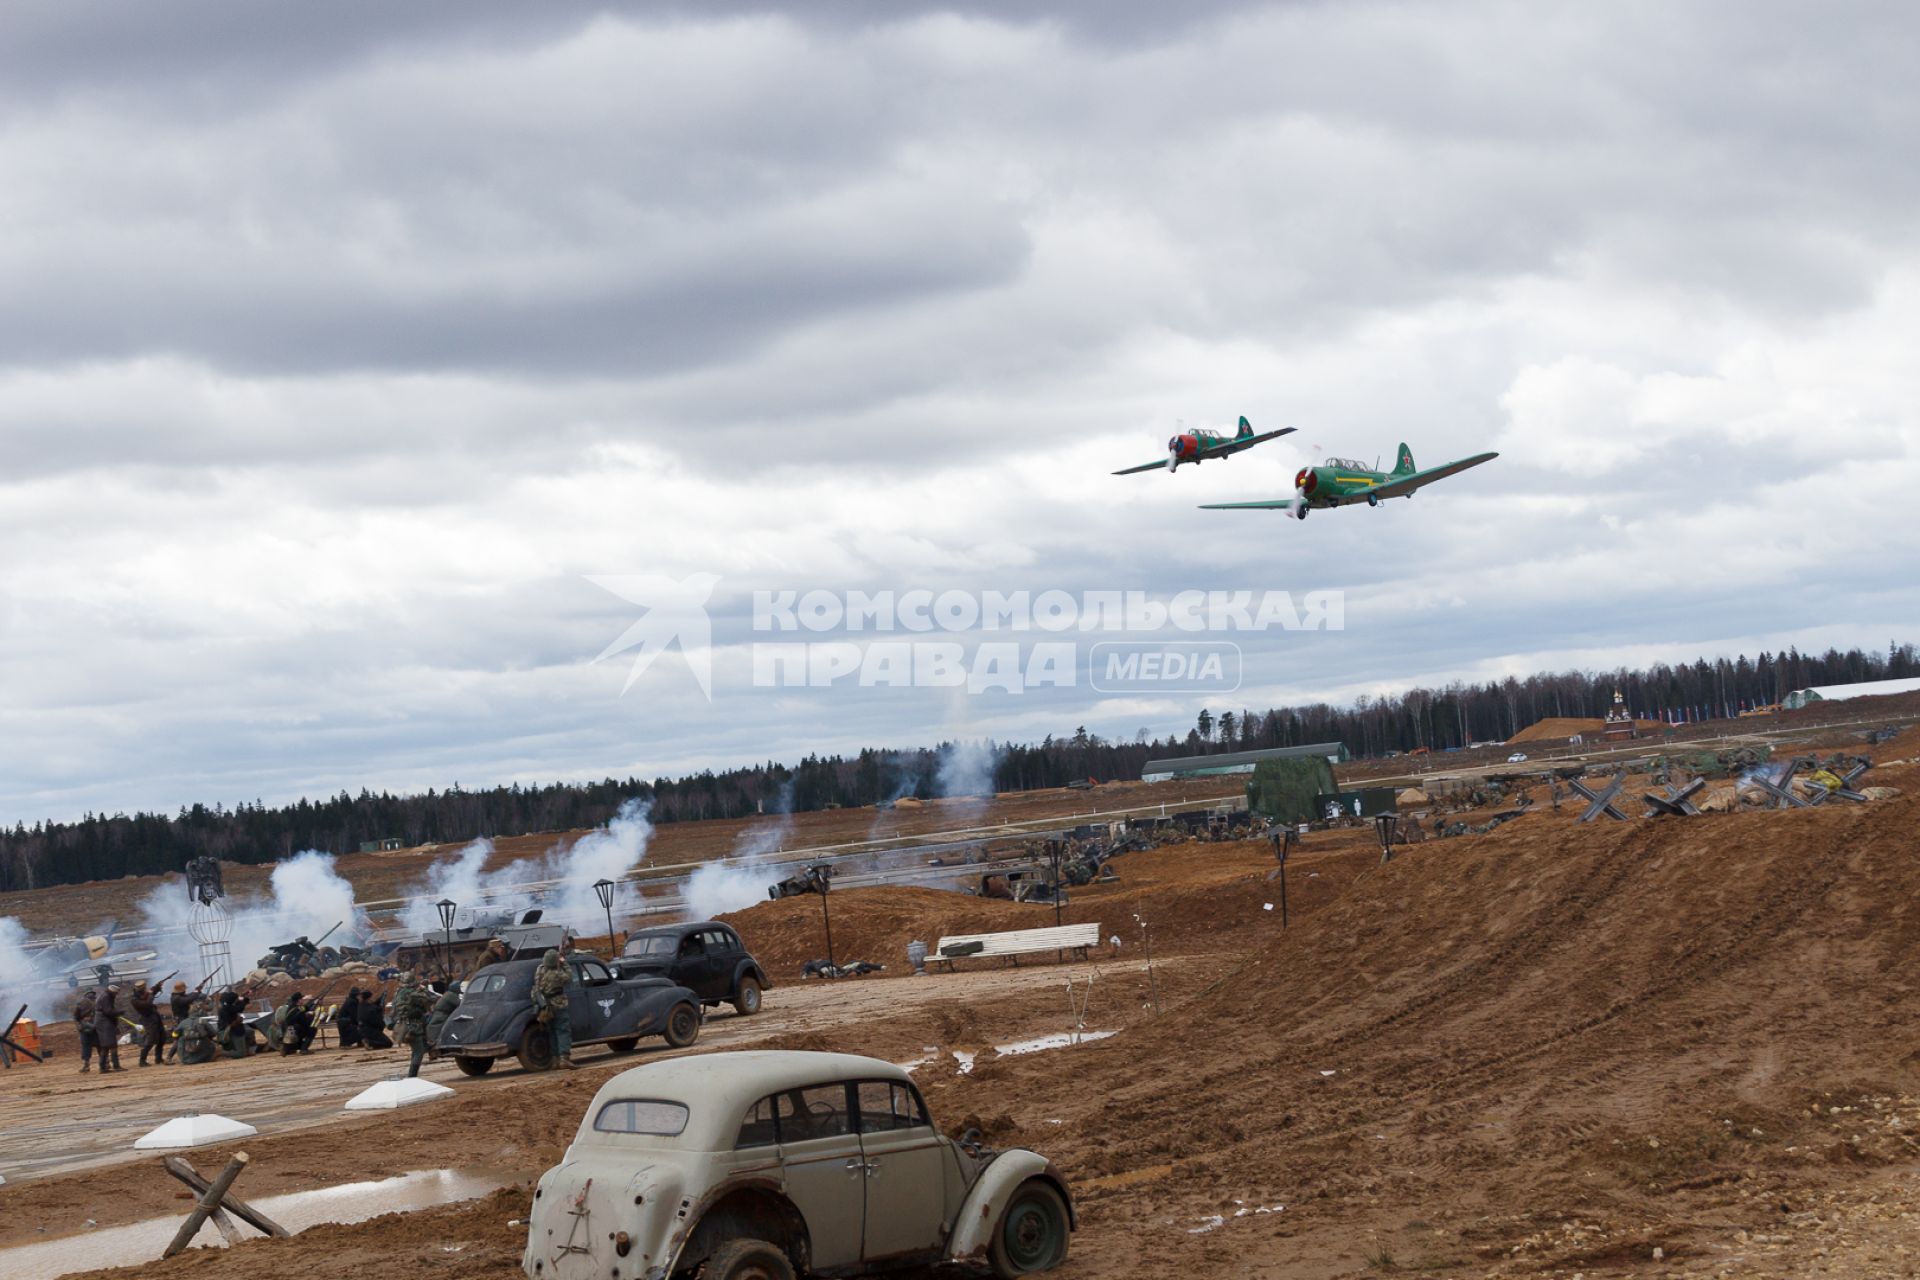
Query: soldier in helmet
409	1019
550	998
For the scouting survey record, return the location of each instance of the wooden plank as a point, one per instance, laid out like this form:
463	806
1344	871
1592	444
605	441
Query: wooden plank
209	1201
247	1213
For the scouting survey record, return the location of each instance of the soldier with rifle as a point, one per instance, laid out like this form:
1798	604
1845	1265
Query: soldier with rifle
233	1034
550	999
153	1031
180	1005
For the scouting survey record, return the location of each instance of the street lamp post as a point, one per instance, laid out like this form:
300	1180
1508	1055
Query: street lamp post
822	876
446	908
604	890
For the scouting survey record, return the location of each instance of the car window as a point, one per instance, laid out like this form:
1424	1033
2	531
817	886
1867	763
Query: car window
759	1129
594	971
645	946
819	1111
691	945
715	940
639	1115
886	1105
484	983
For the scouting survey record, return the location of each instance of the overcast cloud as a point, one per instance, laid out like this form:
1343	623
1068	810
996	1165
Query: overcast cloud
339	345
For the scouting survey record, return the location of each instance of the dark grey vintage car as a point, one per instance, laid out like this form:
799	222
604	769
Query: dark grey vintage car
496	1016
704	956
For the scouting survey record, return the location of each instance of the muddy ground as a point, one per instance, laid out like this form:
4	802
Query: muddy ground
1672	1047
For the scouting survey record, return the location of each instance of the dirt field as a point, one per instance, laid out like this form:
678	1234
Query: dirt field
1674	1047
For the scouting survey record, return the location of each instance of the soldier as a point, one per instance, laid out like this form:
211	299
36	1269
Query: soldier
296	1034
234	1037
409	1019
277	1025
196	1039
106	1029
347	1019
83	1023
495	953
437	1020
153	1031
373	1030
180	1005
550	998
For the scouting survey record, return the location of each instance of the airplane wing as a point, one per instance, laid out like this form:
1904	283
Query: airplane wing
1420	479
1235	445
1267	504
1159	464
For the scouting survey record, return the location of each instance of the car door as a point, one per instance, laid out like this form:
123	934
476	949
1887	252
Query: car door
826	1174
718	983
591	999
906	1172
690	968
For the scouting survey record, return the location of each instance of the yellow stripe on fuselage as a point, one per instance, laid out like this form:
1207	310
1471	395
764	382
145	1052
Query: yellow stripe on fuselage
1356	480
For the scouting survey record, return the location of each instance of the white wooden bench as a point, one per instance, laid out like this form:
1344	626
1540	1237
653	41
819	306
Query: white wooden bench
1015	943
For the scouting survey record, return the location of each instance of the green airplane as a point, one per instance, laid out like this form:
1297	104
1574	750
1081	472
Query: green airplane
1339	482
1197	446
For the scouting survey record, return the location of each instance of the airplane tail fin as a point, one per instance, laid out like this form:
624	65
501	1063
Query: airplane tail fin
1404	467
1246	428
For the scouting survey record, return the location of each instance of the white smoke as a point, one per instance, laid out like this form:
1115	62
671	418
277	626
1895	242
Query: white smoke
611	852
460	879
20	980
307	897
735	884
967	768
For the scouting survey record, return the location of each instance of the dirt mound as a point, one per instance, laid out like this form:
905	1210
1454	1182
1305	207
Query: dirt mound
1191	897
1570	1020
872	924
1560	728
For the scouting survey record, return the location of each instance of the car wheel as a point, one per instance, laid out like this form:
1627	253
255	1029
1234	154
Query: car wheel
536	1049
473	1066
748	1260
1032	1235
746	999
683	1026
625	1044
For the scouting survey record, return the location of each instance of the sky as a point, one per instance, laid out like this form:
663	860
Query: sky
366	373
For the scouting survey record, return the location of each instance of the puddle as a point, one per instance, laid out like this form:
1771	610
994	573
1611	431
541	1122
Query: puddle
1039	1044
139	1242
1057	1041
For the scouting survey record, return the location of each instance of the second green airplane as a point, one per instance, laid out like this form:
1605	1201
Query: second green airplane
1339	482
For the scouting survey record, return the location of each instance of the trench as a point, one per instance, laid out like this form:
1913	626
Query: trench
140	1242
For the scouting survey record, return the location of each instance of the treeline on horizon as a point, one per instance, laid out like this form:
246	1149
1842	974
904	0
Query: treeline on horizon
101	847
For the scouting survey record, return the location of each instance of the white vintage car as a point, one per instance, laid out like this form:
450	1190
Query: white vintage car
768	1165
